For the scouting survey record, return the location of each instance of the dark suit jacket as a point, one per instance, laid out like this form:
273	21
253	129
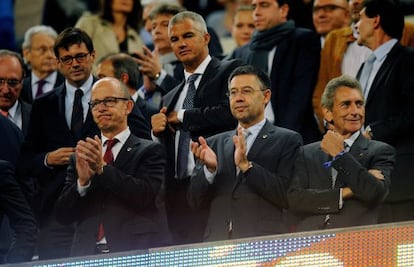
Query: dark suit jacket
253	201
312	197
14	205
389	111
293	76
10	141
26	109
49	131
26	93
211	113
123	198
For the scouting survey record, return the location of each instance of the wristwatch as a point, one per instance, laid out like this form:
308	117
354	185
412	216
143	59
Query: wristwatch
157	76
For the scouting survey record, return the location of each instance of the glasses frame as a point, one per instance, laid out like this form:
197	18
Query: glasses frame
245	92
11	83
80	58
108	102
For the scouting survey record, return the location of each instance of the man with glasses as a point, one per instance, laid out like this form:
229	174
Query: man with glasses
38	54
329	15
118	193
242	175
12	74
58	120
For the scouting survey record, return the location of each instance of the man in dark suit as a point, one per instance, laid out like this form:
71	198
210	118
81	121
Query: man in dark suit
242	177
197	106
12	74
59	119
291	57
13	204
37	48
119	194
342	180
389	95
125	68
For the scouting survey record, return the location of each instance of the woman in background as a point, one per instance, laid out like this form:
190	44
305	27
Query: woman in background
115	29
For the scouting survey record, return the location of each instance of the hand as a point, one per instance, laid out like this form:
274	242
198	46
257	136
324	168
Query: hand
205	154
60	156
367	135
91	151
332	143
377	174
150	64
172	118
347	193
159	121
240	151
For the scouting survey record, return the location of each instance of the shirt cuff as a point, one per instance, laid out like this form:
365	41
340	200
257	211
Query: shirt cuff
341	201
209	175
161	78
180	115
82	190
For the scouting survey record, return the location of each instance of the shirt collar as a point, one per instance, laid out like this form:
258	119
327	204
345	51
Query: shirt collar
122	137
200	69
13	109
350	141
382	51
85	87
51	78
255	129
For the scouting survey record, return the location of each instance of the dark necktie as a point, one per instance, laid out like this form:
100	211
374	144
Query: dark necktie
108	156
184	141
109	160
77	114
39	91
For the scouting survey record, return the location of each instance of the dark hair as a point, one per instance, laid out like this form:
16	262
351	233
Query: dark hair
133	18
391	16
5	52
263	78
282	2
123	63
71	36
165	9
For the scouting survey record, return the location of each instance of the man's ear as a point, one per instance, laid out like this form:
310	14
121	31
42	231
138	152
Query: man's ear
327	114
124	78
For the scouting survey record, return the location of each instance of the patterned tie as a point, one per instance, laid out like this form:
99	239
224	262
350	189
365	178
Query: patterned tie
108	156
184	141
77	114
39	91
5	113
366	73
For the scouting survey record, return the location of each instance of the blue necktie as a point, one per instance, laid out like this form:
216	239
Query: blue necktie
184	140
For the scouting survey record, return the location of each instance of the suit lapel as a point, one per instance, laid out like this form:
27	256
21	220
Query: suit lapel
261	140
170	100
124	156
386	67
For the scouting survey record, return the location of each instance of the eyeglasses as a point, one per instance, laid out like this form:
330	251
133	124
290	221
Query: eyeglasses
80	58
246	91
12	83
326	8
43	49
107	102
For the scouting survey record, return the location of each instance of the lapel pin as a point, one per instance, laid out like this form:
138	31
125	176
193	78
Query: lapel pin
129	149
264	136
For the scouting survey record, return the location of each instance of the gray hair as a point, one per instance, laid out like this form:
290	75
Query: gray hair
198	20
8	53
328	95
49	31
